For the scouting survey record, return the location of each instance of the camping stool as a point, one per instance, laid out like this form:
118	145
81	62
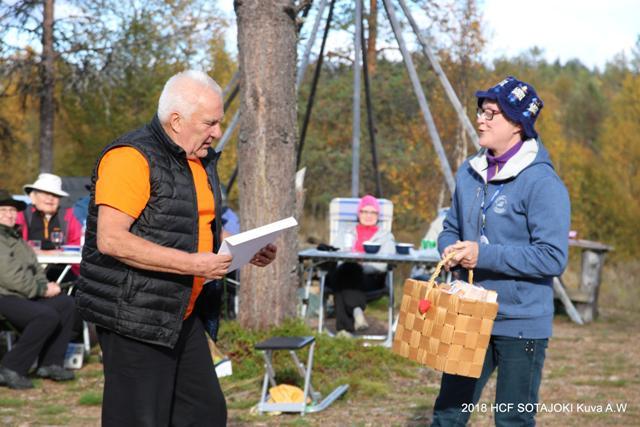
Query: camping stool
292	344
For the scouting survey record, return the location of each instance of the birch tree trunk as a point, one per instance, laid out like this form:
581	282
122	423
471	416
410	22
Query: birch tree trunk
266	151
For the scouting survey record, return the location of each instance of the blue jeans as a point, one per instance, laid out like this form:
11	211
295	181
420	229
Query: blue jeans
519	362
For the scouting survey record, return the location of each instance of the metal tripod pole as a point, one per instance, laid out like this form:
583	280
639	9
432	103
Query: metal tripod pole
422	100
307	50
355	143
453	98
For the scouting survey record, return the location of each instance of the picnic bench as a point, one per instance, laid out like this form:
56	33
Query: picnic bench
581	303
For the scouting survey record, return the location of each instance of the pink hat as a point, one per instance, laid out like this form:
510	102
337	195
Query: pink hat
369	200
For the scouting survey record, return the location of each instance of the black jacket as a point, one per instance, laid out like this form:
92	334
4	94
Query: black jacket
147	305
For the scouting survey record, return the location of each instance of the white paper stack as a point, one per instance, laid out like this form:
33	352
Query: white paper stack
243	246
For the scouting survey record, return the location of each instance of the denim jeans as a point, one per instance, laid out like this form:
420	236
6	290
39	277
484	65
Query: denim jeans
519	363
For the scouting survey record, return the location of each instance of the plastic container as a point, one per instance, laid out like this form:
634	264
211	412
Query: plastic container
403	248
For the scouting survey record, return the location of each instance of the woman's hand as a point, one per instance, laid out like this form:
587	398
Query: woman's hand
53	289
265	256
466	255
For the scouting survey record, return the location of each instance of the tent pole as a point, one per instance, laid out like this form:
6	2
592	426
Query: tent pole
435	63
314	85
422	100
370	123
307	50
355	142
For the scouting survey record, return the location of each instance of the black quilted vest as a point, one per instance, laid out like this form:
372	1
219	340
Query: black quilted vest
146	305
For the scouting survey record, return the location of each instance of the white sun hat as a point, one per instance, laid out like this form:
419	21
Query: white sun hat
47	182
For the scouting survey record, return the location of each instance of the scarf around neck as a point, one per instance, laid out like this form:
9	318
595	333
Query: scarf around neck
363	233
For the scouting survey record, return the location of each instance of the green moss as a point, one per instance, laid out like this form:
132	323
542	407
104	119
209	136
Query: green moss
241	404
367	388
336	360
12	402
91	399
51	409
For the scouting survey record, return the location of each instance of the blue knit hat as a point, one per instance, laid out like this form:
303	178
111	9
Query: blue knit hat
518	101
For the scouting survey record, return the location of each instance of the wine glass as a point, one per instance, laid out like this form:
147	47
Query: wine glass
56	238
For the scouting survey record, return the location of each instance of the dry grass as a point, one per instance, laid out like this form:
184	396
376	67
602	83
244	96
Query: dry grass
621	285
586	367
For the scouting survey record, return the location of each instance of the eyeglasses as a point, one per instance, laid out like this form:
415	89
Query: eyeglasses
8	210
369	212
487	114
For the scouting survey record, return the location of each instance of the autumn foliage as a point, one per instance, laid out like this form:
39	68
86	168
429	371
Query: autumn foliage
590	124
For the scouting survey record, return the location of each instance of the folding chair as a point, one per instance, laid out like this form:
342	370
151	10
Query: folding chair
343	216
292	344
8	332
86	334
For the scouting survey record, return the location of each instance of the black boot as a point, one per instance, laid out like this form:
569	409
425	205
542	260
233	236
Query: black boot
12	379
55	372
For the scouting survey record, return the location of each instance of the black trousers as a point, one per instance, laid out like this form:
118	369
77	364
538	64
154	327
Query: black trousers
350	285
155	386
45	330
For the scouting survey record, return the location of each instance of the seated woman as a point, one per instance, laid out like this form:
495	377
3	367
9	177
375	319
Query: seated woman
43	219
33	305
350	281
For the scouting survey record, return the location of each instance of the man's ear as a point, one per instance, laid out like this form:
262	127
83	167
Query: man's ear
176	122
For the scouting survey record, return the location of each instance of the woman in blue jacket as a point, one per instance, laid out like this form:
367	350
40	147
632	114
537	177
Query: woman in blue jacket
509	222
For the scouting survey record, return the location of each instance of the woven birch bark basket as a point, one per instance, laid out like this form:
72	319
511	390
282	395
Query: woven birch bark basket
444	330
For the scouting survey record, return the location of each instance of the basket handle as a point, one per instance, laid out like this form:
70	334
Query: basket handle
435	274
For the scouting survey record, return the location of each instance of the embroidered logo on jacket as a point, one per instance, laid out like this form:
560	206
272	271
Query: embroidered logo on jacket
500	206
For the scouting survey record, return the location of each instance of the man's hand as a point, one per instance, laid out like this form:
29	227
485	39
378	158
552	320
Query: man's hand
210	265
466	255
53	289
265	256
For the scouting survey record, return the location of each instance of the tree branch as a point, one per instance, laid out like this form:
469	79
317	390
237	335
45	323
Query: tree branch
302	4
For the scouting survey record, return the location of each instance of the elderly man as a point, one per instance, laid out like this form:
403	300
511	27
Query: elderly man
153	231
33	305
43	218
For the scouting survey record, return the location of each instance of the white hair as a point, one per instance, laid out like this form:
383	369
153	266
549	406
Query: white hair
174	98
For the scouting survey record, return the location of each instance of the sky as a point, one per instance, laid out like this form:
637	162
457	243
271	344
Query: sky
591	31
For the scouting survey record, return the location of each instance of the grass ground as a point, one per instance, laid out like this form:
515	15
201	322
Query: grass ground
587	368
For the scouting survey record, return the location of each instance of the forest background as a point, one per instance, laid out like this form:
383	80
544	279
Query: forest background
111	59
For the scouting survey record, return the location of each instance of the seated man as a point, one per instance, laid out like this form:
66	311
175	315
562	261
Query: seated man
33	305
43	219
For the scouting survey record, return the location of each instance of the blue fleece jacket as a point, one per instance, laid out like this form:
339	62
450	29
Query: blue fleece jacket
527	218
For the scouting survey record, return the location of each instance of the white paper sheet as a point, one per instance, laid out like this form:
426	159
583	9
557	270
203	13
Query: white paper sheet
243	246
